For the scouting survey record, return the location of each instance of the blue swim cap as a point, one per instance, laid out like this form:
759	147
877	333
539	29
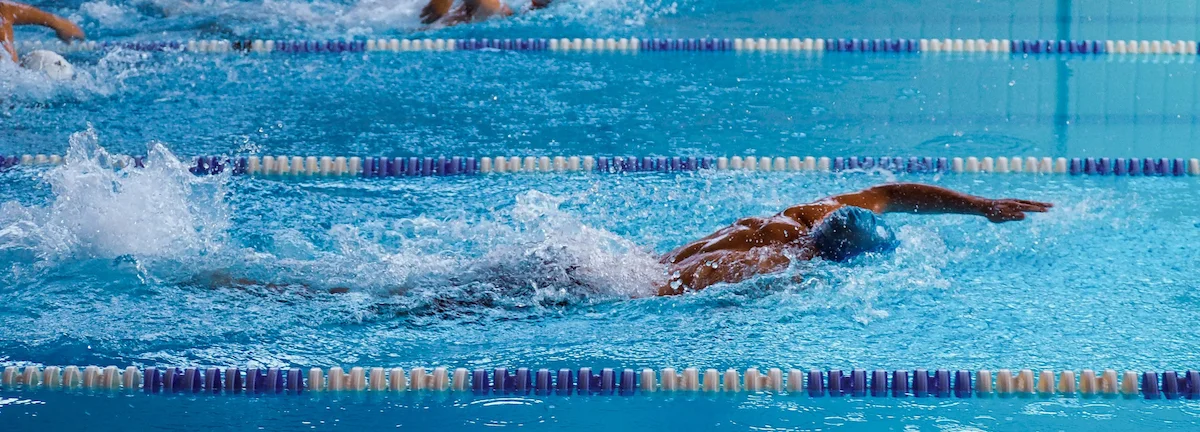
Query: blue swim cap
852	231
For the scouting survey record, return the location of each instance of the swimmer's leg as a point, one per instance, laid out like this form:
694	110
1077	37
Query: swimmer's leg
223	279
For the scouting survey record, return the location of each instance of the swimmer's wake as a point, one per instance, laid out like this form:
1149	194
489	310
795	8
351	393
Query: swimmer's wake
176	226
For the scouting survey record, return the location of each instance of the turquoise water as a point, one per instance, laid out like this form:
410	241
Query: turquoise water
103	267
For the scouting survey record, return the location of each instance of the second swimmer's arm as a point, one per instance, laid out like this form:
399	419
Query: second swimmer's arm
927	199
28	15
435	10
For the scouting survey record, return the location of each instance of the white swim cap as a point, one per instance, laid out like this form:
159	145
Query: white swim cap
50	63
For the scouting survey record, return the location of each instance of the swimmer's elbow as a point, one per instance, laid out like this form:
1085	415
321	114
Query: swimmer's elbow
877	199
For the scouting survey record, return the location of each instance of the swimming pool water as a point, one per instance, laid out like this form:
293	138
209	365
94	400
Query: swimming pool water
490	103
103	267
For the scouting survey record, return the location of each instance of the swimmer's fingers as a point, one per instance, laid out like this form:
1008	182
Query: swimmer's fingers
1035	203
1032	206
1023	205
1010	210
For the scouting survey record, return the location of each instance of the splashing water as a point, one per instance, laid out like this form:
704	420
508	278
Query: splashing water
533	254
176	228
106	77
323	18
160	212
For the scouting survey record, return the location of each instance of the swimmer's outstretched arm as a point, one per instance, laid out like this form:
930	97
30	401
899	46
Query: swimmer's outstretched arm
14	14
926	199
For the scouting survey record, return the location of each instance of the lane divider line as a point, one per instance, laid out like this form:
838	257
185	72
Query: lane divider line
849	45
939	383
330	166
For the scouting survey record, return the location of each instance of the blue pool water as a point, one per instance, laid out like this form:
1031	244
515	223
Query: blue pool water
104	267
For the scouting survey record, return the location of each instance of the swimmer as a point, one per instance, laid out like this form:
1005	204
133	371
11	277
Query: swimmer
470	11
15	14
836	228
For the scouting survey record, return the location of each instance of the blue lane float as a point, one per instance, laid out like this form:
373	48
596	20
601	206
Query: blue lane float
440	166
457	165
1023	47
587	381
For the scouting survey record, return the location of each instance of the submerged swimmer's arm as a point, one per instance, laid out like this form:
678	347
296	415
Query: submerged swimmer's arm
926	199
224	279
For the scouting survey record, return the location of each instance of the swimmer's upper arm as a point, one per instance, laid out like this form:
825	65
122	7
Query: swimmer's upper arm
878	199
875	199
20	14
26	15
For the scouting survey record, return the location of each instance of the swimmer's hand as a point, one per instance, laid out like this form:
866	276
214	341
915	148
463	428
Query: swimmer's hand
1008	209
67	31
435	10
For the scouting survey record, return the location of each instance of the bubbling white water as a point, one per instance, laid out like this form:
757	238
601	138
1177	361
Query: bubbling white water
531	253
158	212
21	87
176	227
326	18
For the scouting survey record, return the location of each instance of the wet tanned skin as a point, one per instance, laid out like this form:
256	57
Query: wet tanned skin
757	245
469	11
15	14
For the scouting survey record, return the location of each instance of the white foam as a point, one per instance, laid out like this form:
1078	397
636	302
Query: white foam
534	251
106	77
162	211
107	14
319	19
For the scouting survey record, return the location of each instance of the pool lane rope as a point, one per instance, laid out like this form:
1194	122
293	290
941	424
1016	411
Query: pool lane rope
940	383
628	45
341	166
